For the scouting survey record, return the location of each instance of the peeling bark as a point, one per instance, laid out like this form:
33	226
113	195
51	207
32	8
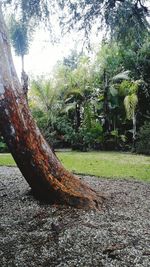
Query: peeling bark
45	174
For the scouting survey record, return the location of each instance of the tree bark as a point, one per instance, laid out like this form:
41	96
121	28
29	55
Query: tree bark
134	130
45	174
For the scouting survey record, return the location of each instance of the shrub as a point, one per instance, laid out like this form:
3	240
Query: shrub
88	138
64	131
143	139
115	141
3	146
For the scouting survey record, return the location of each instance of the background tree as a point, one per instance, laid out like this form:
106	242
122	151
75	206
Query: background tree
85	84
130	102
124	19
20	40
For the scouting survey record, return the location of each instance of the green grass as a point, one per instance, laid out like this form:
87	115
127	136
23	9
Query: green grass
104	164
6	160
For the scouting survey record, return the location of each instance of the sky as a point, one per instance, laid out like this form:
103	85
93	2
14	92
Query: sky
43	55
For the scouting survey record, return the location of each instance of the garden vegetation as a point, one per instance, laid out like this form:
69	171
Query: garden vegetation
97	104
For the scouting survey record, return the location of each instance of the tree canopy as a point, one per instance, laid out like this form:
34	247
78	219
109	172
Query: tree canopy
124	19
19	37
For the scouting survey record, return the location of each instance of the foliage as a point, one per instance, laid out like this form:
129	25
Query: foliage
31	9
115	141
126	20
87	138
108	58
130	103
45	106
72	60
143	139
64	131
3	146
19	36
71	108
86	102
129	90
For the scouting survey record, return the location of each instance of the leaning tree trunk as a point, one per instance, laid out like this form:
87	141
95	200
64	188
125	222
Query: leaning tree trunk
45	174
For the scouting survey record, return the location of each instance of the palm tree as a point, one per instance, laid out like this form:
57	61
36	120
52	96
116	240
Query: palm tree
20	41
129	89
130	103
110	98
74	101
44	96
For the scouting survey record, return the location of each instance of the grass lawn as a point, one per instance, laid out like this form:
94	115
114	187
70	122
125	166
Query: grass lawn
104	164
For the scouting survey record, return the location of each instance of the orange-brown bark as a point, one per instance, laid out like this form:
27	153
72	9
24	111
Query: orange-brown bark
45	174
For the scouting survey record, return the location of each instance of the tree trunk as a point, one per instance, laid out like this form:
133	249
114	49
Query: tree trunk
40	167
134	130
77	117
22	63
107	127
24	79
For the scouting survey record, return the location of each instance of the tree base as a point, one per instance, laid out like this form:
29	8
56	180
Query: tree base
81	196
43	171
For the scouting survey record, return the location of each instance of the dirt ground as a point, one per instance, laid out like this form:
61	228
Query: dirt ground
33	234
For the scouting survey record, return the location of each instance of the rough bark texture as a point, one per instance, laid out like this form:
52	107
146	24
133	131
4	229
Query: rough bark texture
40	167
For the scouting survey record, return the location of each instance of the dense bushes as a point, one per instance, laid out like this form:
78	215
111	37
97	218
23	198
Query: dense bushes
62	134
96	104
87	138
143	139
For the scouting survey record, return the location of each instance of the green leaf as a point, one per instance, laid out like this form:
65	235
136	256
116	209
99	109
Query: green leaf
113	91
122	76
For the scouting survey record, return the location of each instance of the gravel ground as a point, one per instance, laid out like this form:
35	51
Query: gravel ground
33	234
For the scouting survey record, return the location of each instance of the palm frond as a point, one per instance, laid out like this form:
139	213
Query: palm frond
113	91
130	103
122	76
74	95
68	107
